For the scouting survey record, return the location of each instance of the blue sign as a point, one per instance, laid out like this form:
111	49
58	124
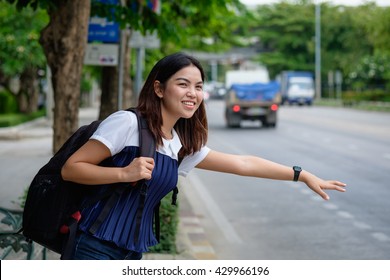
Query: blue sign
102	30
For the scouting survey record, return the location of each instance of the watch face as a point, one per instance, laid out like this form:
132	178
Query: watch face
297	168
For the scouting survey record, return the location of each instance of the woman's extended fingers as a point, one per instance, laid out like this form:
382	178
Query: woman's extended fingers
334	185
319	186
329	185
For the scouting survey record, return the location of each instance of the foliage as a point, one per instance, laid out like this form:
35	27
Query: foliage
8	103
286	33
19	40
181	22
340	41
372	68
169	221
371	71
21	56
378	95
377	27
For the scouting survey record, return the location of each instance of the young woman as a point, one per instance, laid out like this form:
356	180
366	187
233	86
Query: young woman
172	102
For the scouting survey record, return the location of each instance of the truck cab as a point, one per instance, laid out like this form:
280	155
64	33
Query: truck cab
297	87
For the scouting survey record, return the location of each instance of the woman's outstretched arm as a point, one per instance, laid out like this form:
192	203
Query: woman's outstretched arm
253	166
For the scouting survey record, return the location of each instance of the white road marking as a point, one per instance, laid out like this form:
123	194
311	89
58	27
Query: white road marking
345	214
361	225
387	156
330	206
380	236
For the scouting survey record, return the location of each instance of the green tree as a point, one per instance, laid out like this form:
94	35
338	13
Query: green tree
286	36
21	55
64	40
373	69
344	39
376	23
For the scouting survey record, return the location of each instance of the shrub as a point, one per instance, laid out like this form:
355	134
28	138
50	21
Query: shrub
13	119
169	220
367	95
8	103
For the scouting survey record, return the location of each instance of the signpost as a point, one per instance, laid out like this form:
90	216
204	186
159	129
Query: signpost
103	40
105	45
102	54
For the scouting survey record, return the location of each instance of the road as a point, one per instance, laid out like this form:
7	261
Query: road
251	218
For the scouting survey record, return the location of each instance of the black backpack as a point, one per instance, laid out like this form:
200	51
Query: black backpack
52	207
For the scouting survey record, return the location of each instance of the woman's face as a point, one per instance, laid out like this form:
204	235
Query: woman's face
182	94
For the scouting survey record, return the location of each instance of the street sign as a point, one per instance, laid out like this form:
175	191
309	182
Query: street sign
149	41
101	29
102	54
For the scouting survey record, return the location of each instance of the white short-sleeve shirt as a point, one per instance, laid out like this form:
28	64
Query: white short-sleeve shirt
120	130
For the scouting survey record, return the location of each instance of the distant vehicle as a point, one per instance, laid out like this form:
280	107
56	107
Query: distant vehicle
257	101
206	95
296	87
251	96
215	89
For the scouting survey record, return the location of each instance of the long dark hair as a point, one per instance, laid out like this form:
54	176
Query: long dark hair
193	132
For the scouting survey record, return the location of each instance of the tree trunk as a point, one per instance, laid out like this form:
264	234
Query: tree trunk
109	85
64	41
28	92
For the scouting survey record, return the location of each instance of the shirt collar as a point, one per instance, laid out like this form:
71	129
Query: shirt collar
172	146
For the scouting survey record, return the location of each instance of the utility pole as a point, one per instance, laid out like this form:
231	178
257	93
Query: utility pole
121	61
318	50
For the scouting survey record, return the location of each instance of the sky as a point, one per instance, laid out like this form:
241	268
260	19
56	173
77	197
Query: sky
336	2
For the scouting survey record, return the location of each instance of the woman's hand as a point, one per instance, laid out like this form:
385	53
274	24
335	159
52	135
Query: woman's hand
140	168
318	185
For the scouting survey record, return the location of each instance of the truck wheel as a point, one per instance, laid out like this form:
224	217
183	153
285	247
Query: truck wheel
232	121
268	124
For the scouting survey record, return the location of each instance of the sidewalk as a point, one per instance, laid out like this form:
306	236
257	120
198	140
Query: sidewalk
27	147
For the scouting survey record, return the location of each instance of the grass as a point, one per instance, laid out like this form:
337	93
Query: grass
360	105
13	119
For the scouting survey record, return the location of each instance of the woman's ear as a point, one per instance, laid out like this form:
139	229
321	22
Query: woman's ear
157	89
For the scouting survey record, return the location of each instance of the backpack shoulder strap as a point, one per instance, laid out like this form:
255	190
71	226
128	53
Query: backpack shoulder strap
147	146
146	140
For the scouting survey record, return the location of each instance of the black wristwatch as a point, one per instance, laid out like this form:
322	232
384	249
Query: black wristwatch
297	171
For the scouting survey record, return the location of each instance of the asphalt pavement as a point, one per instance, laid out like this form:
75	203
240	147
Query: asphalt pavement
25	148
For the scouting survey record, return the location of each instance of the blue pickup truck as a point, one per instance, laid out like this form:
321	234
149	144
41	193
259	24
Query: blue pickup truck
256	101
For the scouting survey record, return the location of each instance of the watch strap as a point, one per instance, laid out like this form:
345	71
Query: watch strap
297	171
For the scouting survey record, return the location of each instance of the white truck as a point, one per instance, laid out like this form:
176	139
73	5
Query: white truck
297	87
